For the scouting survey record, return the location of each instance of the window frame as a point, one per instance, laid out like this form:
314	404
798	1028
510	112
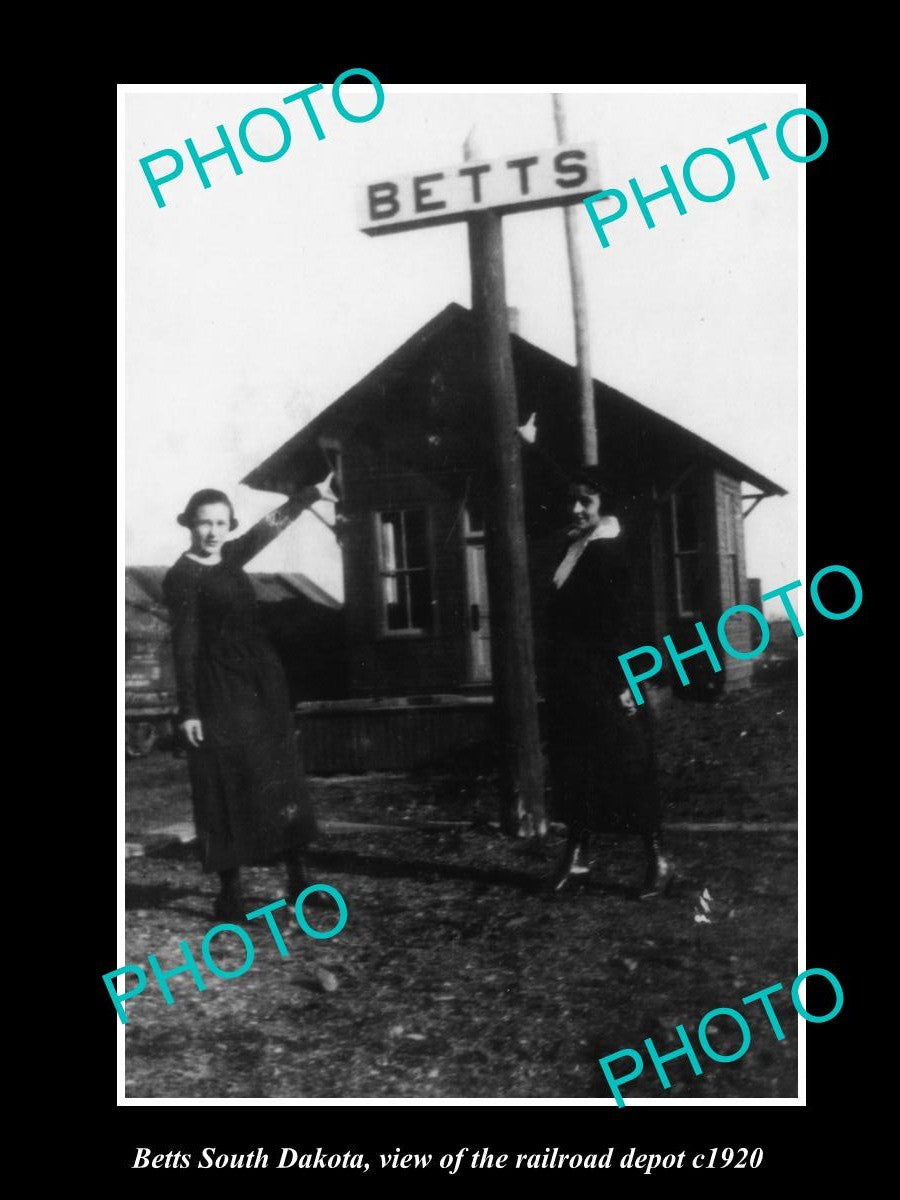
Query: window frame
678	554
414	631
472	532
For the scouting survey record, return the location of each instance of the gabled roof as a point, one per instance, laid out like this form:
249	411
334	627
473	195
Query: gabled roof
292	460
631	430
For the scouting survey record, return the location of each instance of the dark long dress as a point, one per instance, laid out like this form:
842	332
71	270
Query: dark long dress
602	761
250	798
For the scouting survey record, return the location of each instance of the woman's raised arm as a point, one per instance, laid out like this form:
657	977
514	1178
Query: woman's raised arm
242	549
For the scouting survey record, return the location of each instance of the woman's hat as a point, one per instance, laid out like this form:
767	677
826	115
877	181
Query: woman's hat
590	478
204	496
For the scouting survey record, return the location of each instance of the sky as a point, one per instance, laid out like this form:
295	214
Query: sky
246	308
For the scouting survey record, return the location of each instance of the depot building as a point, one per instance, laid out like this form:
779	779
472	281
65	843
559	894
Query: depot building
409	443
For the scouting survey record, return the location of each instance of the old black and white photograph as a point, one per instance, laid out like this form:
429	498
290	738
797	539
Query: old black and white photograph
463	603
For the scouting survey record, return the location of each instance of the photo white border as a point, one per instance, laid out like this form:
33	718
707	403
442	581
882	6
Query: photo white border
539	1102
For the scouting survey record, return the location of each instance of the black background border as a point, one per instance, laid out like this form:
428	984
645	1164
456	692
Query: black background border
810	1141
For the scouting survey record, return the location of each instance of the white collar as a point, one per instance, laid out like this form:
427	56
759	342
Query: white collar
204	562
608	527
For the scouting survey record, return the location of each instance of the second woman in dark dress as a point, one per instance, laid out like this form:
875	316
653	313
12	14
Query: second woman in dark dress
250	798
602	761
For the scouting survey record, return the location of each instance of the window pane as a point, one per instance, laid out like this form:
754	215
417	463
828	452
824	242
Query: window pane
476	514
416	540
691	583
391	541
395	604
687	524
420	596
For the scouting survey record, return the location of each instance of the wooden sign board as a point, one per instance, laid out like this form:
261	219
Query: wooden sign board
515	183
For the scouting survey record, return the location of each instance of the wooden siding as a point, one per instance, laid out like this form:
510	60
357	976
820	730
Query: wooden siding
356	737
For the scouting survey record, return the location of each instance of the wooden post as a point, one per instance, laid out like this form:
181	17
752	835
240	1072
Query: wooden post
579	306
512	640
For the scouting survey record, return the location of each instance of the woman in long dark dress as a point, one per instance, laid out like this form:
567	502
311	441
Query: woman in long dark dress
250	798
602	762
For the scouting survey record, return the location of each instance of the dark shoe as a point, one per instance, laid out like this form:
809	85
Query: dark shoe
229	905
298	881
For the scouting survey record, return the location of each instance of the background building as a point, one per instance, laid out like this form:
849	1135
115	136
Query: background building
303	621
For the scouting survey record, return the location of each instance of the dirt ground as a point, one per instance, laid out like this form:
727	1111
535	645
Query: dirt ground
458	974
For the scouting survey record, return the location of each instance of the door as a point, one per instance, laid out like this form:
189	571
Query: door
479	616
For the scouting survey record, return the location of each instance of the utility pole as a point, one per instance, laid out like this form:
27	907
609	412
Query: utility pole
481	193
579	308
509	585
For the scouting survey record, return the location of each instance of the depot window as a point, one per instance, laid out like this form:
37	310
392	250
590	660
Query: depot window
404	571
686	538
